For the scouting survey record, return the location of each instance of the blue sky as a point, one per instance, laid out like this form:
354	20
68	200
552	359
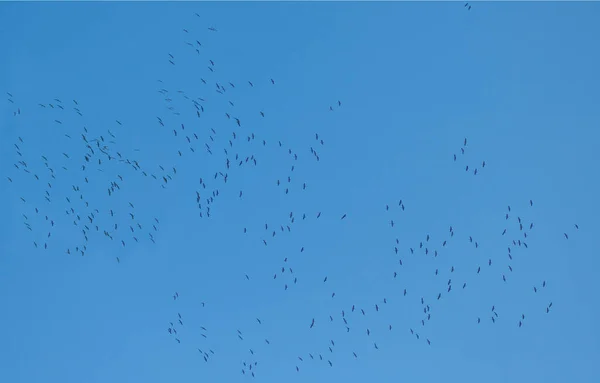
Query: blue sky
518	80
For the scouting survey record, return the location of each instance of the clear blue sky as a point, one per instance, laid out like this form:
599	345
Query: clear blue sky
520	81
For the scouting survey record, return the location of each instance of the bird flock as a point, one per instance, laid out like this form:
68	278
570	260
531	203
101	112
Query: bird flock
68	206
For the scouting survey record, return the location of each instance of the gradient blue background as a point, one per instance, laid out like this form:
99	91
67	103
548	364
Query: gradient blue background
519	80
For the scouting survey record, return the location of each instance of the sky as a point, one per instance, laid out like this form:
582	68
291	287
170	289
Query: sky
83	301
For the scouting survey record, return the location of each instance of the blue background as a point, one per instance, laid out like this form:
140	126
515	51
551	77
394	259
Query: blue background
519	80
